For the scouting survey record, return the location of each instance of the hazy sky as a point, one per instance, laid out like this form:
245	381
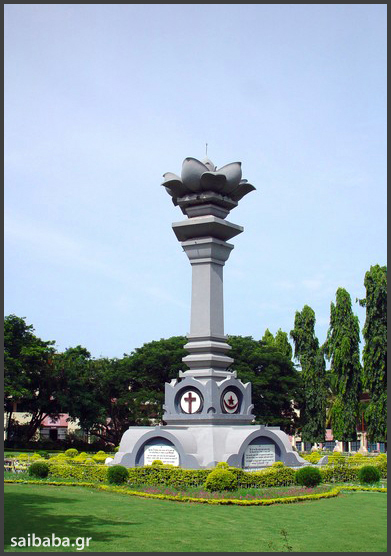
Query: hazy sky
101	100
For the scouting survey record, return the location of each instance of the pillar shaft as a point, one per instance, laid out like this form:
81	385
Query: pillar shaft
207	344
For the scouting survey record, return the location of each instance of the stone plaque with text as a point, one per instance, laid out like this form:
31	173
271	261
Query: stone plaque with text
257	456
166	454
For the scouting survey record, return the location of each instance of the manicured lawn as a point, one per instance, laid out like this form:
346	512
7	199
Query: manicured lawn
352	522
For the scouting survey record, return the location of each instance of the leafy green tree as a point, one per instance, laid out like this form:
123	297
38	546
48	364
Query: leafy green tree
107	396
375	351
313	368
280	341
274	380
29	375
268	338
342	349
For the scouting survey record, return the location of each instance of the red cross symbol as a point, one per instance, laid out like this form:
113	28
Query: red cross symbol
189	400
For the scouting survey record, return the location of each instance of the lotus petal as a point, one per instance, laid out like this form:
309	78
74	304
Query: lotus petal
175	187
170	176
233	173
192	170
213	181
243	188
209	164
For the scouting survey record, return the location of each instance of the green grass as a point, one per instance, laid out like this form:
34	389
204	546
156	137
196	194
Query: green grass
352	522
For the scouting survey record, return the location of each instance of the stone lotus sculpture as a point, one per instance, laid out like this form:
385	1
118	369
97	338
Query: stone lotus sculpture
201	182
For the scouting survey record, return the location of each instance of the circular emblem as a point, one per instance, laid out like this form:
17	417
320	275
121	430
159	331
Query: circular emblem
230	402
190	401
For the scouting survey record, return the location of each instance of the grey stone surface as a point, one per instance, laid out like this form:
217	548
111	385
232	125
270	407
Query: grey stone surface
203	446
207	410
201	182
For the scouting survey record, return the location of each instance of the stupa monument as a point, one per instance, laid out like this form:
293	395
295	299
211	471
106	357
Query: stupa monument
207	411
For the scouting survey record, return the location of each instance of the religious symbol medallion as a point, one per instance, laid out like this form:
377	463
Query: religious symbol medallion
230	402
190	402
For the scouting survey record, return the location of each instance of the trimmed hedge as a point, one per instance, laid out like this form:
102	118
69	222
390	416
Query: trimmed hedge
79	472
162	475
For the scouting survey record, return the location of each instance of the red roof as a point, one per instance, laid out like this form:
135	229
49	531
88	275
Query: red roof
61	421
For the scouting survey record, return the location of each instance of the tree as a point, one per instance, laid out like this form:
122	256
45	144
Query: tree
342	349
29	374
280	341
313	368
274	380
375	351
107	396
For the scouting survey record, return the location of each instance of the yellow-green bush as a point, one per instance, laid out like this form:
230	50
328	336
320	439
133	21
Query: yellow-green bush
337	458
221	479
71	452
313	457
179	478
222	465
79	472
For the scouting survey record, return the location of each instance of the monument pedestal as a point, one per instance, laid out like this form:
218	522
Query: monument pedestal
250	447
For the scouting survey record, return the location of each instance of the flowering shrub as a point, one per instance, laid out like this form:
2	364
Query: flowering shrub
263	502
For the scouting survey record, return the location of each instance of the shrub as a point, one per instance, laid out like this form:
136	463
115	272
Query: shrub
117	475
157	462
369	474
308	476
39	469
116	449
99	458
337	458
92	473
222	465
278	464
221	479
71	453
313	457
80	458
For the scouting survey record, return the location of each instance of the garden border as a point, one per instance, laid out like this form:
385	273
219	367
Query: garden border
235	502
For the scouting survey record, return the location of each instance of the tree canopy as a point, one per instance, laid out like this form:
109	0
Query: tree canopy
29	374
311	359
276	385
375	351
342	349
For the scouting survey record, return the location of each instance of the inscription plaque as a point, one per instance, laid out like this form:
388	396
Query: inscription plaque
257	456
166	454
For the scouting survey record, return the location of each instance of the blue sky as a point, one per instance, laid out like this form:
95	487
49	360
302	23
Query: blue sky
101	100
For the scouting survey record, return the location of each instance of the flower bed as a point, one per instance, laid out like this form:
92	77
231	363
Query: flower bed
225	501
